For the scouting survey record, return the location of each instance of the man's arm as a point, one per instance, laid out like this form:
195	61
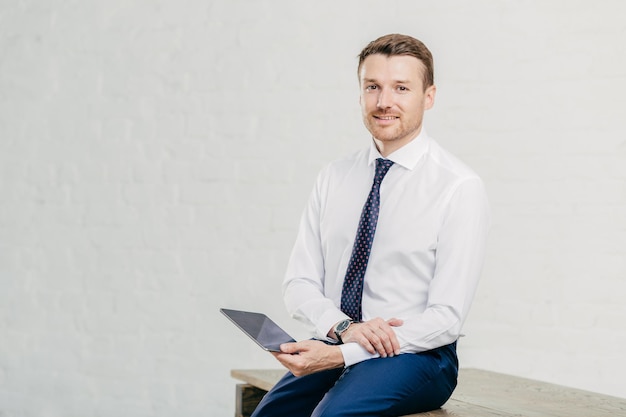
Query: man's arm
459	257
303	288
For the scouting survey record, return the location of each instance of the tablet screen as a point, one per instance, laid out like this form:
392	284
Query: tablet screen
260	328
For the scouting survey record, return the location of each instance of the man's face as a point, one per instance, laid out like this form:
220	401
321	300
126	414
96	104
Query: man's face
393	99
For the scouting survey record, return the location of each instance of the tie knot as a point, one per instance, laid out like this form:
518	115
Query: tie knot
382	167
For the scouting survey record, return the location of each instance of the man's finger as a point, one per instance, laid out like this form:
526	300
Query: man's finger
387	336
289	348
395	322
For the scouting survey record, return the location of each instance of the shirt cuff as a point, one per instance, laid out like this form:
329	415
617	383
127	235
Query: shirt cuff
327	321
355	353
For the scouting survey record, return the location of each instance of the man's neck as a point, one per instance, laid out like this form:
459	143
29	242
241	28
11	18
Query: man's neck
386	148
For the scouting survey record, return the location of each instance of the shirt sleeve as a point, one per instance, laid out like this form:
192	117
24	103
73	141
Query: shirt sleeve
303	287
458	263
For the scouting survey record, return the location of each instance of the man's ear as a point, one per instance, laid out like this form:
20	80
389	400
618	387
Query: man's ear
429	97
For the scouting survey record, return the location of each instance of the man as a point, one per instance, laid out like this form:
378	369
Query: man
387	305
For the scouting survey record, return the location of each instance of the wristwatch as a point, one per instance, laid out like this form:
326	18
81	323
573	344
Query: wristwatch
341	327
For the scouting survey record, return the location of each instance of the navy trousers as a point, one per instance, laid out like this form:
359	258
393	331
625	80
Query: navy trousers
405	384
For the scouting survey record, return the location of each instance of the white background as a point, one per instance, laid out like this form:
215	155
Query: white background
155	157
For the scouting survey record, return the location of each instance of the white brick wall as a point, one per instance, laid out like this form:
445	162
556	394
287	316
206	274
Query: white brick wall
155	156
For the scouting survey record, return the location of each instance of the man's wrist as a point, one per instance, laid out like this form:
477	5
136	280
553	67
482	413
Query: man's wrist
340	328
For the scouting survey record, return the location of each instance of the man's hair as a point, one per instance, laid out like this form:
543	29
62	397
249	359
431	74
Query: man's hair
396	44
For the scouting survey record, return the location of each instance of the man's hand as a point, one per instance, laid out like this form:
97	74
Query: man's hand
376	335
309	356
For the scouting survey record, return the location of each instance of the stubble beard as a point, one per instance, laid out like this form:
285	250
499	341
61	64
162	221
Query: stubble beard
392	133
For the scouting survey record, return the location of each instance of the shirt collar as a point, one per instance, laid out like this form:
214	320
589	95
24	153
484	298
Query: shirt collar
407	156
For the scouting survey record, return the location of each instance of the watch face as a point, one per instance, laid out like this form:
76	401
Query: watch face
343	325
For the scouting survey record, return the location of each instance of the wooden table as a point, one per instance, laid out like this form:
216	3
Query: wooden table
478	394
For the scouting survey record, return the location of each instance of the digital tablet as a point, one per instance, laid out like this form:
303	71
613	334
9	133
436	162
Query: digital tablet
260	328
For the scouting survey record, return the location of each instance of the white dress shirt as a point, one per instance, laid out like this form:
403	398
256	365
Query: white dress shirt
427	252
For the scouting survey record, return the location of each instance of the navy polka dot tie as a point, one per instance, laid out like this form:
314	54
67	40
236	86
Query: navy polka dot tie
352	292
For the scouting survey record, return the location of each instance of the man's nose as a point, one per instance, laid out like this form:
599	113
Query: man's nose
384	99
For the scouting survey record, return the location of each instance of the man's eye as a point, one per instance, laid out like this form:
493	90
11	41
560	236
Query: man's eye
402	88
371	87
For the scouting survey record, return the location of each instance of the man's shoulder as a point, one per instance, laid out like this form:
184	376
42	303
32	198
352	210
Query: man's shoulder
347	163
447	161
